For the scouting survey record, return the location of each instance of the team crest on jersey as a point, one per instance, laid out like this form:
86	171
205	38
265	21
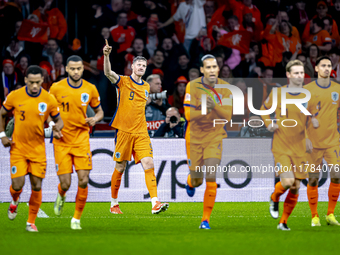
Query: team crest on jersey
14	170
42	107
335	96
187	97
117	154
85	97
146	94
217	98
315	38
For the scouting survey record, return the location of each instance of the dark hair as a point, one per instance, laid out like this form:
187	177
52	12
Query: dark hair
159	49
207	56
322	58
319	22
234	17
34	69
334	51
139	58
74	58
302	54
308	50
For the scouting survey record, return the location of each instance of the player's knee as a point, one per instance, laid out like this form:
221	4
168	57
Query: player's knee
313	182
83	181
17	186
65	185
148	163
287	182
120	166
36	186
196	182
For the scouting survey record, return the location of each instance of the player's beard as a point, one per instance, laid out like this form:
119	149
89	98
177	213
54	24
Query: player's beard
74	80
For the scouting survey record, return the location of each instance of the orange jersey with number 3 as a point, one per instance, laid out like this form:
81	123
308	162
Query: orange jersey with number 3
30	113
324	106
287	140
130	112
73	102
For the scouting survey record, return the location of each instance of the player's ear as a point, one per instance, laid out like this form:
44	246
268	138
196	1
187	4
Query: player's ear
316	69
67	69
288	74
201	69
26	80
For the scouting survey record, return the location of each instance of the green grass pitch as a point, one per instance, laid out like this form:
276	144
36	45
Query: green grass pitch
237	228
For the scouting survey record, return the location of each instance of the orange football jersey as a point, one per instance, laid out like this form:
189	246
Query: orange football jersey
287	140
73	102
30	113
130	112
324	105
200	129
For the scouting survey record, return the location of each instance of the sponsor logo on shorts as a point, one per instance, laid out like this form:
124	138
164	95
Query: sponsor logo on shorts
14	170
117	154
57	167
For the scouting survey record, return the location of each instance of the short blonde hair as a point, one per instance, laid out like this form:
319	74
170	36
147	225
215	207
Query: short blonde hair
292	63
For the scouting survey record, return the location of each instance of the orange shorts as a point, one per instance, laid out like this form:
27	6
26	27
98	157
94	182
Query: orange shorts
20	166
296	165
127	144
198	152
68	156
331	156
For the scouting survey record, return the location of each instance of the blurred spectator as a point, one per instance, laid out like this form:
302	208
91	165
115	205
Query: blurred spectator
298	16
139	23
177	98
255	128
243	6
192	14
23	62
328	26
313	54
155	111
283	16
171	52
154	8
220	61
319	36
114	8
334	55
313	33
173	125
194	73
8	77
127	8
54	18
58	67
303	59
47	68
26	8
335	12
138	48
157	62
233	24
151	36
123	34
226	74
9	15
209	8
13	50
50	49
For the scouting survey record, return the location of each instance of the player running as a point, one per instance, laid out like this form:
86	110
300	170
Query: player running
31	105
289	145
74	94
203	140
324	106
131	130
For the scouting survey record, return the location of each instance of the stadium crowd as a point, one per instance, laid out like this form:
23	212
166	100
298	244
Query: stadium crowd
250	39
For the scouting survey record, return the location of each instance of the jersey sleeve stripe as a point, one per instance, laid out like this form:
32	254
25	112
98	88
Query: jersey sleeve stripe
116	84
7	109
189	105
55	116
96	106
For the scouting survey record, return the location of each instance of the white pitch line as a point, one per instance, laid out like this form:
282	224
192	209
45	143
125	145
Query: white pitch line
41	213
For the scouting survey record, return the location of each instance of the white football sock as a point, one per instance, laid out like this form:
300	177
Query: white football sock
114	201
153	201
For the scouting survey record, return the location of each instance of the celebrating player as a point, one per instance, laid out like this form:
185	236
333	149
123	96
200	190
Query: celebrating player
74	94
325	138
289	145
131	129
203	140
32	105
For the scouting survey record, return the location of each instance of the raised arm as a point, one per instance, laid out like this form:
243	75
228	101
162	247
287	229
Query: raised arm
111	75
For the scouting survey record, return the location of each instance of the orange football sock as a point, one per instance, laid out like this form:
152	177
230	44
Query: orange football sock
80	202
61	192
150	180
209	200
189	181
289	206
34	205
313	196
333	194
15	194
279	190
115	183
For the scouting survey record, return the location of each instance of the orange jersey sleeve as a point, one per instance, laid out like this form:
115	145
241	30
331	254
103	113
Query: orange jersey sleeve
30	113
290	137
324	106
73	103
130	112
